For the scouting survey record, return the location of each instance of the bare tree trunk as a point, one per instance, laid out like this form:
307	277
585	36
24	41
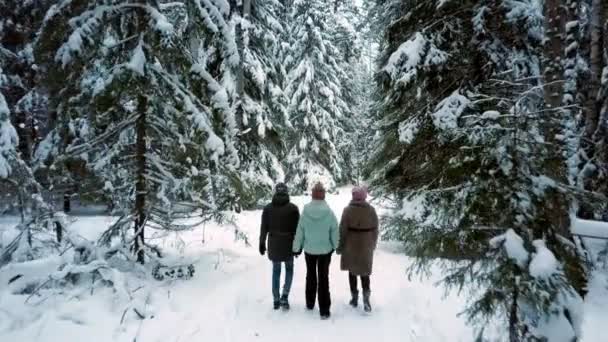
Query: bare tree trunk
596	65
601	134
553	90
513	318
241	41
555	218
140	185
553	50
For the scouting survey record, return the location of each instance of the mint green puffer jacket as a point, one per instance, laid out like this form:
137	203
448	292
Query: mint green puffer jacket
317	231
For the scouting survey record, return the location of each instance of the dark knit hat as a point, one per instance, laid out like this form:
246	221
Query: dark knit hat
281	189
318	192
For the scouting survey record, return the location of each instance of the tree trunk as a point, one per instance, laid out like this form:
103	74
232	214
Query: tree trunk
596	65
553	90
58	232
553	49
241	41
554	218
140	185
513	318
67	203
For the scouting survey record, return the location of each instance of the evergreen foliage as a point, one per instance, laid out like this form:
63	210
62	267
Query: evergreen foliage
261	107
461	97
316	102
139	107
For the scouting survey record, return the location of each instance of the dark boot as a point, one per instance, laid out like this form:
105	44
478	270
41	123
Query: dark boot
366	304
276	305
284	302
355	299
325	316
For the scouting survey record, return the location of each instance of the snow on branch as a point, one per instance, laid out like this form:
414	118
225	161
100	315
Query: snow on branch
138	59
513	245
213	13
8	139
91	21
590	229
449	110
416	52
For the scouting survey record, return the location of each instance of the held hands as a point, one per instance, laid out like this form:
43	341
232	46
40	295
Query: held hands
262	249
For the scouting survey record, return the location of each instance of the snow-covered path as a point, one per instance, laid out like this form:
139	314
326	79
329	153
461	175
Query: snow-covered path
229	299
239	309
238	306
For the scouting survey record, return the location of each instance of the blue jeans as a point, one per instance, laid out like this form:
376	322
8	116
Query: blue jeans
276	278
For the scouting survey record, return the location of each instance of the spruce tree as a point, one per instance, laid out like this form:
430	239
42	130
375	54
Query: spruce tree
316	102
461	100
134	88
260	104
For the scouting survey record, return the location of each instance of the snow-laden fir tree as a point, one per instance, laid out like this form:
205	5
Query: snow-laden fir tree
260	103
138	104
355	85
8	137
316	103
39	227
465	132
26	100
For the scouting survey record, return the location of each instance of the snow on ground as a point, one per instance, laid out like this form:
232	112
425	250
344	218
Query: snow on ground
229	299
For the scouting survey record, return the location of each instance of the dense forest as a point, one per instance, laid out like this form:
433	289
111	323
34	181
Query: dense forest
490	115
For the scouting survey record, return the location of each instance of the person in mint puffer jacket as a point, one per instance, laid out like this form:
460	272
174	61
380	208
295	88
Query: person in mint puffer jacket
318	235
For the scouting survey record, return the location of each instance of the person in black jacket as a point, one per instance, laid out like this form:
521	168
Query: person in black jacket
279	224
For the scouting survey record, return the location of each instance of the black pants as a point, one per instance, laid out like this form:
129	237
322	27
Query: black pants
352	281
317	281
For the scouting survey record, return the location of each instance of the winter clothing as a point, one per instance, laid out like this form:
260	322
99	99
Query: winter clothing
318	236
354	301
276	280
284	302
279	222
352	281
358	238
367	306
281	189
317	231
317	282
318	192
359	193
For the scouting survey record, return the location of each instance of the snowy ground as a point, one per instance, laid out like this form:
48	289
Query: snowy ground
229	300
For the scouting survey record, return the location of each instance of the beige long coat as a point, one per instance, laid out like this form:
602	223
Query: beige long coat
358	238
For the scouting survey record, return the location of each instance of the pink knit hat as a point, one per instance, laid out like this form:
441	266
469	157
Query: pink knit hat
318	192
359	193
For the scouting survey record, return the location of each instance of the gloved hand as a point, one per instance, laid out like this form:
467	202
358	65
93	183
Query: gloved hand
338	251
297	254
262	249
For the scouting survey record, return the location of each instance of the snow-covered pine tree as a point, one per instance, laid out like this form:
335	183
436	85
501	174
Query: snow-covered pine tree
355	85
261	105
26	101
315	99
461	96
39	226
119	78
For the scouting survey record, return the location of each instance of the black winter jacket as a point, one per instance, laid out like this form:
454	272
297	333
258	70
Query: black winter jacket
279	224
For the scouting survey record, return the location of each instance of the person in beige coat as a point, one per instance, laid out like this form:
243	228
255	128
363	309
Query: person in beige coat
358	240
